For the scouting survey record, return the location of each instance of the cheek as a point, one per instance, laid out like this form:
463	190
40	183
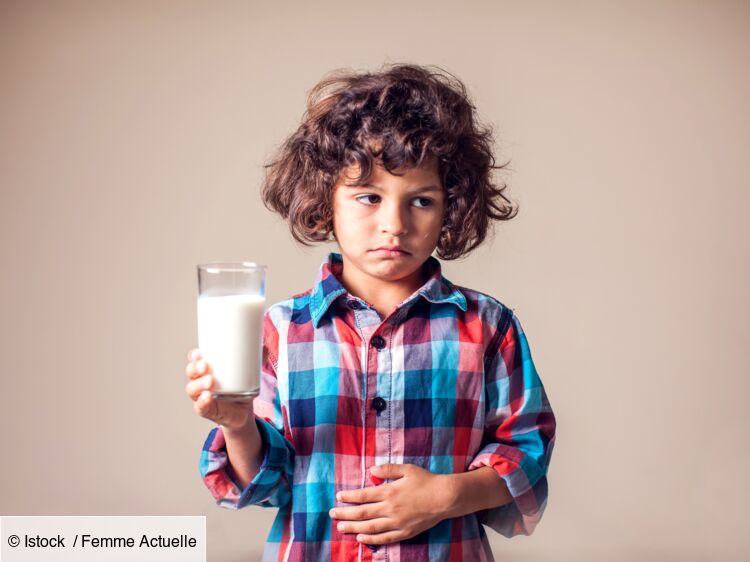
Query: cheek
339	212
353	218
349	224
432	225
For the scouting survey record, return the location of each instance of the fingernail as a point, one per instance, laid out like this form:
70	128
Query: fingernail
332	513
206	381
205	394
338	496
340	526
200	366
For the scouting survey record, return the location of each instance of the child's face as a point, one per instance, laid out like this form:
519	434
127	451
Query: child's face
404	211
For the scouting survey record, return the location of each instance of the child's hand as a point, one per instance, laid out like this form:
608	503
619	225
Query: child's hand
228	413
418	500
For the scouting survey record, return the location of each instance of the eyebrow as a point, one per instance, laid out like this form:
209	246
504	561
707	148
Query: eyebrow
417	190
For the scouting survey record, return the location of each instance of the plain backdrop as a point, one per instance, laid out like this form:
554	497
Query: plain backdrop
132	142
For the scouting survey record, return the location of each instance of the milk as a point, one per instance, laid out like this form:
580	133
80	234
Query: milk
230	338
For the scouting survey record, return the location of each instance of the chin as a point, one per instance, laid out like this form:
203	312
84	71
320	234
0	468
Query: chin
393	270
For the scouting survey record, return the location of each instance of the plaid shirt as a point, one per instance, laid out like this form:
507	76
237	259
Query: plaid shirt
445	382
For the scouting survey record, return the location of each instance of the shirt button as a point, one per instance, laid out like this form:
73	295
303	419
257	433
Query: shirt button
378	404
355	305
378	342
373	547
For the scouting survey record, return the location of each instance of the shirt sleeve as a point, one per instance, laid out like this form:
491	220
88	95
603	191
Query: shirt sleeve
519	433
271	486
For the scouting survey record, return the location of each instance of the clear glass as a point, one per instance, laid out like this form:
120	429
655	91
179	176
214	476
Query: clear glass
231	304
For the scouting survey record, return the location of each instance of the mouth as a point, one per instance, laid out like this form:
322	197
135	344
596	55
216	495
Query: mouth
390	251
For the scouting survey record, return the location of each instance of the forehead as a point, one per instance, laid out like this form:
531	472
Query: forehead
427	172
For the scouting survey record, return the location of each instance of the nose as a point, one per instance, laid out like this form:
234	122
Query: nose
393	219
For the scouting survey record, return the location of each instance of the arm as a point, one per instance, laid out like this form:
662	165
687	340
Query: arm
240	469
244	452
519	434
474	491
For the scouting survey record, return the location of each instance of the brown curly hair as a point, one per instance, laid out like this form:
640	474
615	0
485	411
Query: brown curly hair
399	117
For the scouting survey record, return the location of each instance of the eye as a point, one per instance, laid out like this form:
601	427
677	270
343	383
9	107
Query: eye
424	202
361	197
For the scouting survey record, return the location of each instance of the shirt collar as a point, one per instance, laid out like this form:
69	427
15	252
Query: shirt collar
327	287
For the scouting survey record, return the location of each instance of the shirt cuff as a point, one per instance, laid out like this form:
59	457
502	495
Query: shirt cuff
269	488
527	484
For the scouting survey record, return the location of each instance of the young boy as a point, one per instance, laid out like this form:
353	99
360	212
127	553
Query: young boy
397	410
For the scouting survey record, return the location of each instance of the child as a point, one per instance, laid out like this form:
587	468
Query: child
396	410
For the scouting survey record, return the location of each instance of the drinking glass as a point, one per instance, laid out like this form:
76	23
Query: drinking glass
231	304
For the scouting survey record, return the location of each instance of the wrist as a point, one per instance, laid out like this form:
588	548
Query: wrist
242	429
476	490
451	486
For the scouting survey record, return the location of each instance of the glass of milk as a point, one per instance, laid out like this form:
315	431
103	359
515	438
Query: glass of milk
231	305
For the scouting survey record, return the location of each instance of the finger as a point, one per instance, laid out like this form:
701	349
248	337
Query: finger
197	369
196	386
362	495
382	538
357	513
194	354
205	405
371	527
381	472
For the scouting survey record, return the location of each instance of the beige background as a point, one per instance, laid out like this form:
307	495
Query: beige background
132	138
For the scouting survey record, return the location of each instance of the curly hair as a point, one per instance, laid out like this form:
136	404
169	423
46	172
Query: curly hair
397	117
